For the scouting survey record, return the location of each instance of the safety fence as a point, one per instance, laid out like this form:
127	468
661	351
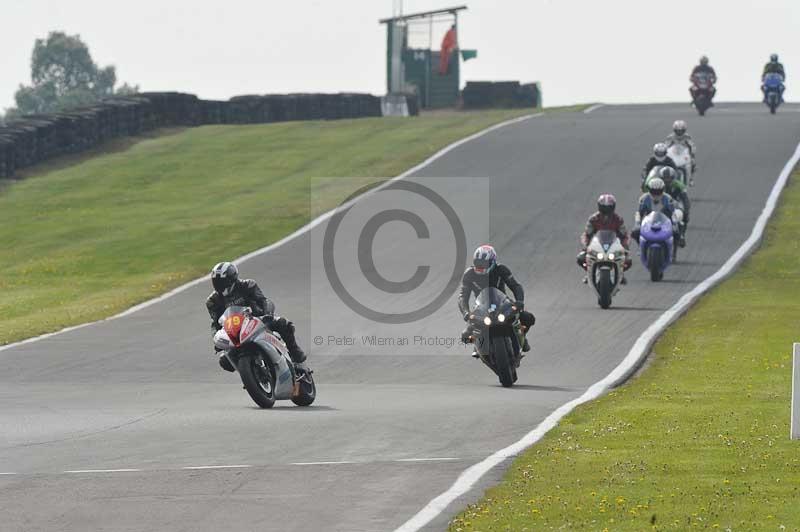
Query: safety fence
33	139
484	94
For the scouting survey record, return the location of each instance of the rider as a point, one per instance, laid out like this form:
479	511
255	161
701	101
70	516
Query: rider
677	191
230	290
605	219
680	136
659	158
486	272
773	67
703	68
655	199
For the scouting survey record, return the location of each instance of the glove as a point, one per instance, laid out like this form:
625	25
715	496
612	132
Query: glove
635	235
466	316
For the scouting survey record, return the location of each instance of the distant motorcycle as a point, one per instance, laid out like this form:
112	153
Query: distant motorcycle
773	88
605	263
656	244
683	161
497	334
262	360
702	91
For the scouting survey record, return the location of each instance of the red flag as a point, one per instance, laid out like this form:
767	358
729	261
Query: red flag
448	44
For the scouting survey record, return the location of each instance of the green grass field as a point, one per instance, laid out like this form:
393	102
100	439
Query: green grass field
84	240
699	440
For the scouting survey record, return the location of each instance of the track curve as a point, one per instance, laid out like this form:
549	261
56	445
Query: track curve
141	395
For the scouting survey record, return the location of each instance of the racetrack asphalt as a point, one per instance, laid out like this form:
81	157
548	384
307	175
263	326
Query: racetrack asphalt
143	393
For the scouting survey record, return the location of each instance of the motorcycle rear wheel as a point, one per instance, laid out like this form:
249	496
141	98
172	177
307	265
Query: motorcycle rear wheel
502	353
258	381
308	391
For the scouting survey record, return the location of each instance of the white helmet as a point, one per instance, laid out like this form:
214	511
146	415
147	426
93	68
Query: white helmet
679	128
660	151
656	186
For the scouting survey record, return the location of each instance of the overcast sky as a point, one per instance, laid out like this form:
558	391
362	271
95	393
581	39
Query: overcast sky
580	50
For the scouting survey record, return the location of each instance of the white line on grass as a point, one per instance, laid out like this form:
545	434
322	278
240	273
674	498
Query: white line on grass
618	375
303	230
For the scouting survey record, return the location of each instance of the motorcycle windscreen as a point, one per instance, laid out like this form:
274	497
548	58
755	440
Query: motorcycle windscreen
232	320
657	222
605	238
489	300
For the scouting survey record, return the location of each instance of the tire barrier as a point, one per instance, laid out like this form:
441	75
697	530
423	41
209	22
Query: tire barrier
36	138
483	94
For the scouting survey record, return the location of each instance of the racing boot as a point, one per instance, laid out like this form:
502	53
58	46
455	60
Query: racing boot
225	364
525	345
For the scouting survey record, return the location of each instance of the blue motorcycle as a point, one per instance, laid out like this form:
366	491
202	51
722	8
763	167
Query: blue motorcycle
656	244
773	89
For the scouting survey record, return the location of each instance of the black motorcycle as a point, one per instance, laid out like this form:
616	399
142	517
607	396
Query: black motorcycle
497	334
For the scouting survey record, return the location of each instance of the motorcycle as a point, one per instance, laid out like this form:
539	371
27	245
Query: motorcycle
262	360
702	91
773	88
497	334
683	161
656	244
605	263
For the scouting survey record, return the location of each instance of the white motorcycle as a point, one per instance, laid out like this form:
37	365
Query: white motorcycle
262	360
605	264
683	161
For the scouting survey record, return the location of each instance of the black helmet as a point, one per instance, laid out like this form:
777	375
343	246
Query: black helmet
223	277
667	175
774	58
703	60
606	204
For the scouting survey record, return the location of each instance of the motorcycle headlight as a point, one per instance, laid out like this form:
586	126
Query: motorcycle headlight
501	318
601	256
610	256
487	320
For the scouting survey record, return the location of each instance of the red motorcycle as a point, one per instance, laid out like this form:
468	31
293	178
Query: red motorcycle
702	91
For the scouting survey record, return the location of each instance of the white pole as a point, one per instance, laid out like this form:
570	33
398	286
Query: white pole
795	430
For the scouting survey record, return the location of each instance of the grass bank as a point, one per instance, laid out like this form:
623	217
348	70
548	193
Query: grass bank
88	239
699	440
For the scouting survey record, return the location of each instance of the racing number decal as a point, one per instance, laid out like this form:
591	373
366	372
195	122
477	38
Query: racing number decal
233	320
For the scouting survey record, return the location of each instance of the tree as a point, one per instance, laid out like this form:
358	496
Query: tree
63	75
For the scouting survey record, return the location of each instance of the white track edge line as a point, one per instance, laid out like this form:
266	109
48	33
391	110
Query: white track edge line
324	463
593	108
103	471
635	356
299	232
443	459
199	467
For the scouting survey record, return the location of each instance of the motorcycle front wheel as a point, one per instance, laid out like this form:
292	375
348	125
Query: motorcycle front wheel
503	352
604	289
258	378
654	261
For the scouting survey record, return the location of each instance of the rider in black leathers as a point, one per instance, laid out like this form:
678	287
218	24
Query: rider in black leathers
484	273
773	67
230	290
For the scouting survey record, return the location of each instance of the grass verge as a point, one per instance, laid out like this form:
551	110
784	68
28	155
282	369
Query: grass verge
698	440
85	239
